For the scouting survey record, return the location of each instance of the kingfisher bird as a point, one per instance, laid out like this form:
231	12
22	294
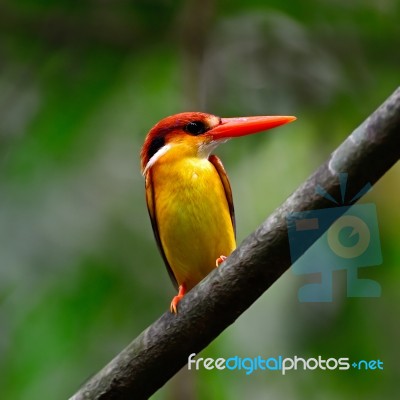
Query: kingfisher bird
188	194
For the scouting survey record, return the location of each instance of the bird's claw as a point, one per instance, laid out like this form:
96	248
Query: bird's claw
174	303
220	260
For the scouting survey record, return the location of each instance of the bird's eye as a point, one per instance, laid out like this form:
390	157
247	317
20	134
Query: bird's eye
195	128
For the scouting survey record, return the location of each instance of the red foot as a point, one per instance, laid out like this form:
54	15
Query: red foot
177	298
220	260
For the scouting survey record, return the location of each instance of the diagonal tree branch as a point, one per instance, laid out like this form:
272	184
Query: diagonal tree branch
215	303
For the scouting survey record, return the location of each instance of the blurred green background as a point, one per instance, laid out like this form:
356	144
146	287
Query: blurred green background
81	82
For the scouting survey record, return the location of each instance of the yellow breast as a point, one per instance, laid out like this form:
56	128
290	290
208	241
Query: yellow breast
193	216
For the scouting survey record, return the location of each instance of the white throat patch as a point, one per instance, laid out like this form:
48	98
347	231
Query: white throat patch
206	149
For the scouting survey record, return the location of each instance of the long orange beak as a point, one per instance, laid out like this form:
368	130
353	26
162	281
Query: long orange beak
234	127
